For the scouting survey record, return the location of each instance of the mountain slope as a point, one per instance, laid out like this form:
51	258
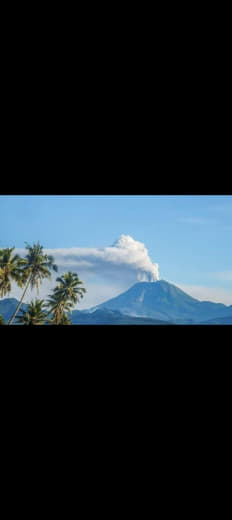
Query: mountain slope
8	306
226	320
164	301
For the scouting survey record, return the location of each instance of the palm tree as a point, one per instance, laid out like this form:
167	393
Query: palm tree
57	307
69	288
64	320
10	270
64	297
36	267
2	321
34	315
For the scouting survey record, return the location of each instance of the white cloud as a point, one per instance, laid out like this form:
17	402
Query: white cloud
126	258
212	294
99	294
224	276
105	272
96	293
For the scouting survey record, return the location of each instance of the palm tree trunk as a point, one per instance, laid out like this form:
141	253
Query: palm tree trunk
21	301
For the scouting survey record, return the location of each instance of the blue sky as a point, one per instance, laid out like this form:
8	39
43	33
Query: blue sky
190	237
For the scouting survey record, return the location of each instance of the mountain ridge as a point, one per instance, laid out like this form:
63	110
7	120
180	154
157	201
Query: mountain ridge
8	306
164	301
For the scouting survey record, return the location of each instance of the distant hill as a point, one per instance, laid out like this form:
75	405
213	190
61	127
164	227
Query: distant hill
219	321
107	317
99	317
8	306
164	301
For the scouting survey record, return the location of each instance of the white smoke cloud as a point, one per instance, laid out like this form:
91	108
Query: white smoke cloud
105	272
126	257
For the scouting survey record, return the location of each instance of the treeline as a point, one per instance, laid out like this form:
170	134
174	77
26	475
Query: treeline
30	272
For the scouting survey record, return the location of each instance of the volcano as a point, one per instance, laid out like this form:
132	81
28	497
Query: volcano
164	301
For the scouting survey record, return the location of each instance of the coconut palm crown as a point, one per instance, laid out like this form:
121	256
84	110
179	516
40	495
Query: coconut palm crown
36	267
2	321
65	295
57	308
34	315
10	270
69	288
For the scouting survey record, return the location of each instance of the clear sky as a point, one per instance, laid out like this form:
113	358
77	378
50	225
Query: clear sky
190	237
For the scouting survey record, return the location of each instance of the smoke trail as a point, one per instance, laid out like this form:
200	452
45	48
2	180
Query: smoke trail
125	259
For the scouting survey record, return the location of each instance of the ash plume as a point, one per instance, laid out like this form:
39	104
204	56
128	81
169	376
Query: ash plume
127	259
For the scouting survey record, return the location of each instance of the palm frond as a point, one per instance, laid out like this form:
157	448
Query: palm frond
34	315
2	321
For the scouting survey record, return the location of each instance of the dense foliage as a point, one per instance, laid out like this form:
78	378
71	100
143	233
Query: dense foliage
30	272
2	321
34	315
